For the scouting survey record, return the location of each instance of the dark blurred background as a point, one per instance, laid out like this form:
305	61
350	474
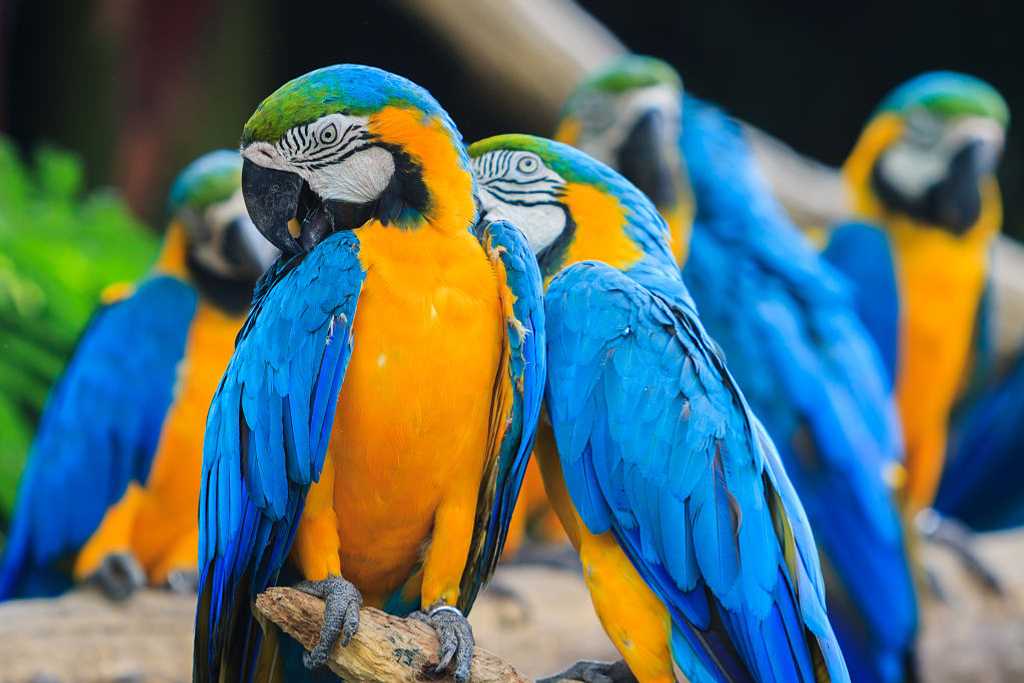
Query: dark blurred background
139	88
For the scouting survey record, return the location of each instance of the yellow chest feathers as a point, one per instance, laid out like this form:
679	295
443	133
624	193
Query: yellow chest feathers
211	341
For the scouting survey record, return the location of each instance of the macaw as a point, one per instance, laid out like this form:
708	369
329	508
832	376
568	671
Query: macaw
787	325
922	181
370	434
695	549
111	486
982	481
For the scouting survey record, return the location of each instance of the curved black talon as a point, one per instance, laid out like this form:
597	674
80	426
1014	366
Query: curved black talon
341	615
119	576
183	581
956	536
456	638
594	672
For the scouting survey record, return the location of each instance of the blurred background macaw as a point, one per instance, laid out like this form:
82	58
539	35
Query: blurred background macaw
927	211
111	487
49	287
786	323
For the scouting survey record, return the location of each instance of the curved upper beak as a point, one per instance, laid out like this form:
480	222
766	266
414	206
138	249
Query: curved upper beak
958	195
647	157
272	200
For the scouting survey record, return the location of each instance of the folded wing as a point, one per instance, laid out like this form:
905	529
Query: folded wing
266	439
658	446
99	431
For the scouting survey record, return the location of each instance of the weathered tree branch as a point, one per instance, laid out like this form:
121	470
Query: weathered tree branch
385	649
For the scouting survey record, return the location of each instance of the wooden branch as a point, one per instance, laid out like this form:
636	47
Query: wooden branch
528	54
386	649
82	637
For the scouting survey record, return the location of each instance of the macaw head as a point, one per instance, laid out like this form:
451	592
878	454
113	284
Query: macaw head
930	151
629	116
569	206
347	145
221	244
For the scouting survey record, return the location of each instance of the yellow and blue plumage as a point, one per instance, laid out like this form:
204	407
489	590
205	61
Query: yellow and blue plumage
110	489
789	330
694	546
370	434
922	181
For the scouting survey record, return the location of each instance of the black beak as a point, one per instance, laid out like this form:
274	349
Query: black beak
272	200
646	158
956	200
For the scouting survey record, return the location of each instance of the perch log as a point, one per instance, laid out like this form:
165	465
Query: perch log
386	649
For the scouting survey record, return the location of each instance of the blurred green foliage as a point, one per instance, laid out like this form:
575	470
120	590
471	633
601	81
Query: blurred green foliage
59	247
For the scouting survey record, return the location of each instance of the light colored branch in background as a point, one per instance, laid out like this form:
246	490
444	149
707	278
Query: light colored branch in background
385	649
1008	292
531	53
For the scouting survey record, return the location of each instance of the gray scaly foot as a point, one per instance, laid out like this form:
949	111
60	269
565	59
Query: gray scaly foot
119	576
183	581
456	637
341	615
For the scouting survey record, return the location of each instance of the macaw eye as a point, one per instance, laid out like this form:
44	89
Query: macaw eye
527	165
329	134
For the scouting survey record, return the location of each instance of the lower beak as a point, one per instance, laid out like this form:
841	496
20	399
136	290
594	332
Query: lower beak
272	200
647	158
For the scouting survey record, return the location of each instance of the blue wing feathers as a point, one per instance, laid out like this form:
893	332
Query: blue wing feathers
99	430
789	326
674	477
985	465
266	442
863	254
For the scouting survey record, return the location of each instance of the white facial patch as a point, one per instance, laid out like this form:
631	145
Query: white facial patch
208	248
360	178
922	157
541	224
334	154
517	187
608	119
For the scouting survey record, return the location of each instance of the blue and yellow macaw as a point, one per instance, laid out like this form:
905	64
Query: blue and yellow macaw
788	328
695	548
111	486
982	483
370	434
922	181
